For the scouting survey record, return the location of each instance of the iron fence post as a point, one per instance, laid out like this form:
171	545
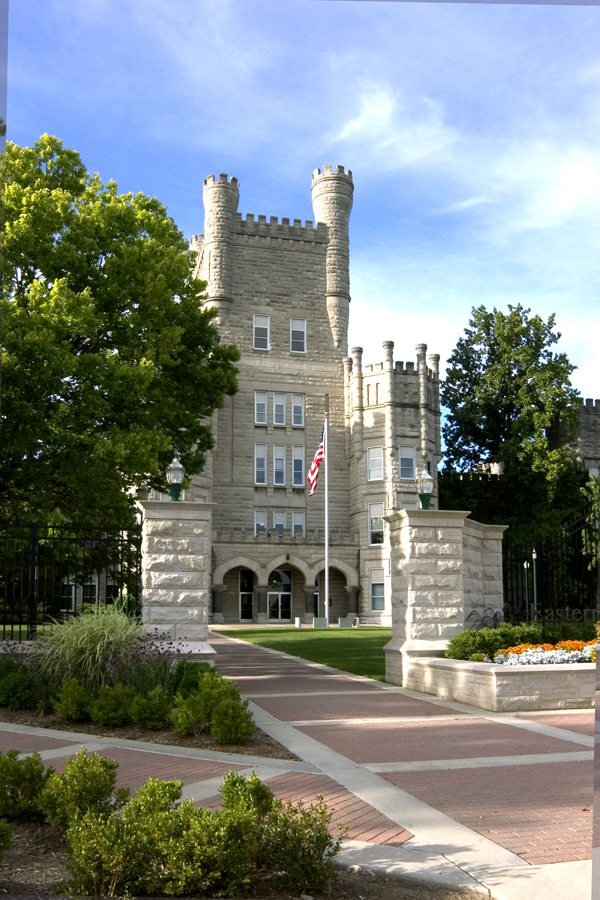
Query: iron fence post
33	552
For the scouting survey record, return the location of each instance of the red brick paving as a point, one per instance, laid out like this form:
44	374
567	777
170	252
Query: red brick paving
363	821
272	684
583	723
356	706
412	741
543	816
28	743
136	766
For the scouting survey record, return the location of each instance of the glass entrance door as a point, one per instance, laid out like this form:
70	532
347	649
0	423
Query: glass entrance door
280	606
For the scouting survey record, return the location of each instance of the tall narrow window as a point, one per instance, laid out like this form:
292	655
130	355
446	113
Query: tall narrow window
377	394
407	463
260	520
368	395
260	463
279	521
260	407
375	523
279	464
298	466
299	523
298	410
261	333
298	335
278	409
375	464
377	589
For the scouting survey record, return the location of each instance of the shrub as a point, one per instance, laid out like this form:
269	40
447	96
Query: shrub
231	722
188	675
5	841
87	784
489	640
187	714
297	842
250	794
18	690
477	657
73	702
112	705
152	711
86	643
21	784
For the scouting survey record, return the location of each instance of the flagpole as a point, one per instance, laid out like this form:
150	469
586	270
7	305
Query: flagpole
326	452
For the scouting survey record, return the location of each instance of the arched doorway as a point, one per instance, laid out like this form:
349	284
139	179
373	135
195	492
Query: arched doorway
279	595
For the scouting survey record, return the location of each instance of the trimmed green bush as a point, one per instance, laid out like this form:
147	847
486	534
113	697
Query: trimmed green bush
112	705
18	690
152	711
187	714
22	782
489	640
86	785
188	676
295	840
239	792
73	702
5	839
231	722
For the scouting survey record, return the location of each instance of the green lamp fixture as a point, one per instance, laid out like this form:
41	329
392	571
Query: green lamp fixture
175	473
425	488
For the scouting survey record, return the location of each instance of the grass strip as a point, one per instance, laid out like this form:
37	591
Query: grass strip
359	651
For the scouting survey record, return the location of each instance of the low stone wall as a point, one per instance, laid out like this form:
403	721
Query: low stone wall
504	688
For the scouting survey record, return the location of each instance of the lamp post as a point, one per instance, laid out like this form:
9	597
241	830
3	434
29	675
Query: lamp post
175	474
425	488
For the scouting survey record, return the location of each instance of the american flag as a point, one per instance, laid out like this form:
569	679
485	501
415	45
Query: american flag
313	472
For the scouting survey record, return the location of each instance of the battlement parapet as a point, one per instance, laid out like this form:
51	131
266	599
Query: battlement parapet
315	536
339	171
589	406
259	227
222	179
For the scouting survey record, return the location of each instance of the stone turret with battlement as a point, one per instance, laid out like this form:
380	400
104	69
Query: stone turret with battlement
221	197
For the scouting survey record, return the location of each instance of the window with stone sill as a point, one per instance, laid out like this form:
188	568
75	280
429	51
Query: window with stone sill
377	589
260	407
375	464
260	464
298	335
279	465
260	520
279	408
375	523
298	410
260	336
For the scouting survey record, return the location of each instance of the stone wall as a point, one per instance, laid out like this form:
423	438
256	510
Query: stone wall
443	567
176	568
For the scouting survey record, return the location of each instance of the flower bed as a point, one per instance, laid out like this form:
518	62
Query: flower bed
546	654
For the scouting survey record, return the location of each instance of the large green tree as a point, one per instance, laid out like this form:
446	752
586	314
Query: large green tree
110	363
510	401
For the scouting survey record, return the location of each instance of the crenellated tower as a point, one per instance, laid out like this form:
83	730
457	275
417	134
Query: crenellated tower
221	197
332	203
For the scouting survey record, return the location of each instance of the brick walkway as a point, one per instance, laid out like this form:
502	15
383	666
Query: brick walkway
397	769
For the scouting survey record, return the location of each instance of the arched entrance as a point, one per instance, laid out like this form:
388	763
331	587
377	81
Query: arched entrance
279	595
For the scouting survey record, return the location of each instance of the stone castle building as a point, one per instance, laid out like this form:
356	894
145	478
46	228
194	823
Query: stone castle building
283	294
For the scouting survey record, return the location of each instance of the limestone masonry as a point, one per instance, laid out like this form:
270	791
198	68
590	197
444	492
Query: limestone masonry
282	290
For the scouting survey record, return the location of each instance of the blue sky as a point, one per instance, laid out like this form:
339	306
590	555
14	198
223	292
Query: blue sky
472	132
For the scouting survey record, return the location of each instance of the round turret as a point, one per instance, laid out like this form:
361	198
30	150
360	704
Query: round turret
332	192
221	198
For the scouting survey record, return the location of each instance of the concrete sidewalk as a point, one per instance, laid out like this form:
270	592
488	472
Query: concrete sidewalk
430	790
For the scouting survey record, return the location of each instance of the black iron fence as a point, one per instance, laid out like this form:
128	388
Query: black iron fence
554	579
52	572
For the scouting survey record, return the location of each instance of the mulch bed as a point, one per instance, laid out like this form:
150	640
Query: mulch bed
260	743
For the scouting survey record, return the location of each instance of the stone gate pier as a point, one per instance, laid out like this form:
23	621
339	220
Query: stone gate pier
176	573
444	567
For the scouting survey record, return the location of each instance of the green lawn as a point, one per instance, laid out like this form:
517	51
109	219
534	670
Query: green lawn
357	650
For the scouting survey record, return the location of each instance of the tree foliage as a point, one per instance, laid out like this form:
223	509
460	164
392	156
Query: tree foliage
505	390
110	363
510	401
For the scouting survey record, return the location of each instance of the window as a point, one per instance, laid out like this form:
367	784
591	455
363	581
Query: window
113	592
375	523
377	589
67	596
279	521
89	593
279	464
261	333
375	464
246	594
260	407
298	466
260	520
407	462
298	335
278	409
260	463
298	523
298	410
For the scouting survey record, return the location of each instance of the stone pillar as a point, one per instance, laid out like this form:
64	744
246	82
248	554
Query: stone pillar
176	570
442	567
422	375
260	603
309	602
357	403
217	605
